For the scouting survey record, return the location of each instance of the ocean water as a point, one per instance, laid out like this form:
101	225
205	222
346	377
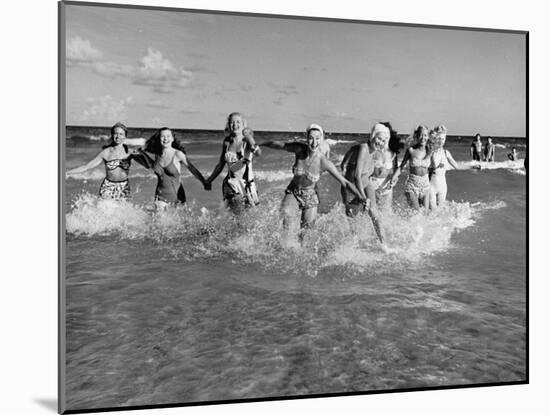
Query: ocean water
194	304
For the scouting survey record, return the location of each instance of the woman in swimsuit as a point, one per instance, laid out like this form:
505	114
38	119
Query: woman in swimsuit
357	167
238	188
309	163
117	159
384	158
440	159
169	155
417	188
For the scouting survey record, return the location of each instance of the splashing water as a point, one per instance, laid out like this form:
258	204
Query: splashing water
493	165
257	235
99	174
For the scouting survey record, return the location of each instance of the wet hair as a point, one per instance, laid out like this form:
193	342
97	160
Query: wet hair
154	146
477	135
394	144
233	114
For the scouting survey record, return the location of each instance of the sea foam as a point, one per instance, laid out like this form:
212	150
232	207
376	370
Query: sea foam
258	236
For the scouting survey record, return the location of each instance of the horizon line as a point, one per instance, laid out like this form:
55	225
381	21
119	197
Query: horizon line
290	131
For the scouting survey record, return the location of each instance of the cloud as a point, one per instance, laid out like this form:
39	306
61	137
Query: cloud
106	108
81	50
112	69
160	73
153	70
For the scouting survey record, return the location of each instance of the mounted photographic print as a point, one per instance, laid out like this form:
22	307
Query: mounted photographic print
259	207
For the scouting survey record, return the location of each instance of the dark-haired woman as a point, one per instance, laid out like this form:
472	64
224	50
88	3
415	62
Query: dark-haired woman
117	159
169	156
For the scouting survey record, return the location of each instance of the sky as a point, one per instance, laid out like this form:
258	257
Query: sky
153	68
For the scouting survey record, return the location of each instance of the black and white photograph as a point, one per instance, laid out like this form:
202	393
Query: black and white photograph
258	207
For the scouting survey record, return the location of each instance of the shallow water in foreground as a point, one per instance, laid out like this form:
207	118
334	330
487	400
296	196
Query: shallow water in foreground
189	306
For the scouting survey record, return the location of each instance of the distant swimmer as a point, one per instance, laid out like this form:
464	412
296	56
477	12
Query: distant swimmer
301	194
117	158
417	187
489	150
441	158
513	156
238	149
169	156
476	148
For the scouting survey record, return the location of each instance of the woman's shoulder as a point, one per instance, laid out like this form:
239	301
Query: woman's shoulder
179	154
106	153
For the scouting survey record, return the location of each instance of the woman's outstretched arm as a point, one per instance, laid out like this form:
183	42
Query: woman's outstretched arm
397	171
219	167
96	161
187	163
143	158
451	160
331	168
359	167
251	143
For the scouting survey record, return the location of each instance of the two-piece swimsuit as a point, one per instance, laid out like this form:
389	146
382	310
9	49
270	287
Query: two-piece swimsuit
239	182
110	189
377	181
418	185
169	188
306	196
